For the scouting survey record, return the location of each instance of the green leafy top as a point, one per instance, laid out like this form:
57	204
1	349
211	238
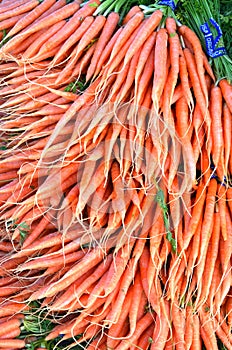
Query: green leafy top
195	13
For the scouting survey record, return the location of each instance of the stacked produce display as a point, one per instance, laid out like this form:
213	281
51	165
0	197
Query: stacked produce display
115	175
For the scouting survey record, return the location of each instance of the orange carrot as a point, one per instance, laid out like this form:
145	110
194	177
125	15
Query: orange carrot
197	342
196	213
186	32
162	327
108	29
216	117
199	94
55	17
10	22
10	5
36	45
129	28
149	25
185	80
207	330
90	259
145	339
19	9
182	128
106	52
227	130
174	45
30	17
89	35
206	226
142	325
9	326
11	308
160	66
226	89
69	28
12	343
210	259
135	9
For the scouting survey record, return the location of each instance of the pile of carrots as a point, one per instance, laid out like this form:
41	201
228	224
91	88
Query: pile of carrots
115	179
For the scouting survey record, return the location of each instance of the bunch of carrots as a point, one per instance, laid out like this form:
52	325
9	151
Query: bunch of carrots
115	178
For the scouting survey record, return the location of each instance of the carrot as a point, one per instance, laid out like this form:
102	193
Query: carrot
216	117
186	32
182	128
135	9
10	5
152	294
210	259
125	283
73	23
55	17
196	213
36	45
145	78
78	288
37	230
160	66
12	343
223	337
108	29
183	73
226	90
118	330
8	175
30	17
173	74
136	298
90	259
145	52
6	246
56	6
73	39
206	226
10	21
45	263
208	67
19	9
84	61
162	327
179	324
117	268
188	337
196	342
222	210
228	310
227	129
12	334
207	331
129	28
145	339
9	326
146	29
90	34
199	94
142	325
11	308
226	245
106	52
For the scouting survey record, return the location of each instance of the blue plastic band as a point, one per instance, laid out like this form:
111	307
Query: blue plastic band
211	42
169	3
